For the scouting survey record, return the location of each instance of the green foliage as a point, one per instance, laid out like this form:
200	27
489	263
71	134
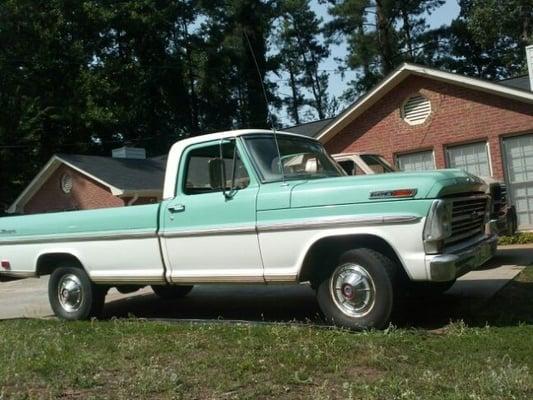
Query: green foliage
518	238
300	54
488	39
381	34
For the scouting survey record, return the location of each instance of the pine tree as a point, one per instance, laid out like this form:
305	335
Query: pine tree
488	38
381	34
301	52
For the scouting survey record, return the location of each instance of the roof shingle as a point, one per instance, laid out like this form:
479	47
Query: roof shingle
122	173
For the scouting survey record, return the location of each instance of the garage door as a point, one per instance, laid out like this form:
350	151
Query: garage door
471	157
421	161
519	171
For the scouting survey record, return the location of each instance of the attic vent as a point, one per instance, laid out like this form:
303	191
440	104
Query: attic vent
416	110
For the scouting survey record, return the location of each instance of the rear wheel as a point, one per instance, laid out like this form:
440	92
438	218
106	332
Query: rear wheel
360	291
73	296
171	292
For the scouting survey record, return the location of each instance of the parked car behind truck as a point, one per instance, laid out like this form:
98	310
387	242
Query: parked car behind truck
503	213
238	208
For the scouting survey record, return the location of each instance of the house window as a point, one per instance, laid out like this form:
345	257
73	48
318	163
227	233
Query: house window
420	161
416	110
473	158
197	179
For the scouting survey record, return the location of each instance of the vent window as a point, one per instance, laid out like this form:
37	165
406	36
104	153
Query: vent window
416	110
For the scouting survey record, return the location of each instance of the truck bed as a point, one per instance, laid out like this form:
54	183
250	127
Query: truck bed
109	242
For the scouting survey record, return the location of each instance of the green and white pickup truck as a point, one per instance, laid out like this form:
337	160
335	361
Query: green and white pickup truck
250	207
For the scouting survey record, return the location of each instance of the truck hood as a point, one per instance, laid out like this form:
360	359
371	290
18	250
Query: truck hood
357	189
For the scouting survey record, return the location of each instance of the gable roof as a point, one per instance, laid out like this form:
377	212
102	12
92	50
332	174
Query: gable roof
519	82
123	176
399	75
311	129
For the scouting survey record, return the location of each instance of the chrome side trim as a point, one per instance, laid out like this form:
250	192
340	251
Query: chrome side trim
281	278
18	274
232	230
218	279
122	279
83	237
338	222
326	222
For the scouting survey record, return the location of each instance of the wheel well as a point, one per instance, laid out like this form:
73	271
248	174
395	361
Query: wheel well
324	254
46	263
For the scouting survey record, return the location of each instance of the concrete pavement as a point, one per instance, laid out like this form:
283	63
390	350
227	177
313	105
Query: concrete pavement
28	298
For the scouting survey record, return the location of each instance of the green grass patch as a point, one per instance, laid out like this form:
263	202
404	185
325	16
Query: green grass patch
517	238
490	357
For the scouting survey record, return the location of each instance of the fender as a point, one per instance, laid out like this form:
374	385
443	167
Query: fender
286	252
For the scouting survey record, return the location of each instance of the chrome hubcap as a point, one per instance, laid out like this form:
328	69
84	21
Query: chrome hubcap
353	290
70	292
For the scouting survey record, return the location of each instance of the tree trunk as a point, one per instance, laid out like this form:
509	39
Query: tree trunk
193	99
384	39
294	88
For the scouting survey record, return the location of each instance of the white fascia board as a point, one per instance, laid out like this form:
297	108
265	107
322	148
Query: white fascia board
50	167
363	104
409	69
114	190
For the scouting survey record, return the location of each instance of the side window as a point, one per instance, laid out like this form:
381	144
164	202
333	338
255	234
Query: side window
348	166
197	166
351	168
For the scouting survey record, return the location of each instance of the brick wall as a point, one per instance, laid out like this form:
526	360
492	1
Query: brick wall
459	115
85	194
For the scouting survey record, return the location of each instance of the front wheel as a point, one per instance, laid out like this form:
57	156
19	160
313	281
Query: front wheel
73	296
360	292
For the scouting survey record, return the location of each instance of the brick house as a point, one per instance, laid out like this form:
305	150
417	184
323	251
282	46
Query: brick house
79	182
421	118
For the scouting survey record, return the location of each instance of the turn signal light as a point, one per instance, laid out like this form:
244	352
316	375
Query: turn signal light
5	264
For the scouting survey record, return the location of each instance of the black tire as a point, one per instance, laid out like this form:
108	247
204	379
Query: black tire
429	289
379	272
171	292
91	300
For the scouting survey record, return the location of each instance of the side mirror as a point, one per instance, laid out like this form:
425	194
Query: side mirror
217	174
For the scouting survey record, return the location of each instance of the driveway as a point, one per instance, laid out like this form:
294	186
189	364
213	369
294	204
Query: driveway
28	298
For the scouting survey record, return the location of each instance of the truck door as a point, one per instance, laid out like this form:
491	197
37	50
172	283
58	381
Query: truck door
209	228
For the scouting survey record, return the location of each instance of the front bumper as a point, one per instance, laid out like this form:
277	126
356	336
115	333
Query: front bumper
446	267
505	222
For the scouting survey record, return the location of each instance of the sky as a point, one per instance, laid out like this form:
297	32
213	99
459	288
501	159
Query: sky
337	84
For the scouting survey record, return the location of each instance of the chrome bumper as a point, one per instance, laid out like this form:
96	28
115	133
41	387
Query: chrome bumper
446	267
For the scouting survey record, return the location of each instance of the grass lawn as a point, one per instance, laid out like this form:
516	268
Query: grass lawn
489	356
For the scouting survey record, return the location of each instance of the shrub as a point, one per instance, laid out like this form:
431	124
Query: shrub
517	238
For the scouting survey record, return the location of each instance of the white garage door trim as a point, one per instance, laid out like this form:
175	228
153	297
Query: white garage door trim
518	162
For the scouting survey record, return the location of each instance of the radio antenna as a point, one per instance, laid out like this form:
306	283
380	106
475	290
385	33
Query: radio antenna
270	117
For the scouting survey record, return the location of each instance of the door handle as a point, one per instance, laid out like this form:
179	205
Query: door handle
175	208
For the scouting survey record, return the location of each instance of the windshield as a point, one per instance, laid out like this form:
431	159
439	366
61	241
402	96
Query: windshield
301	158
377	163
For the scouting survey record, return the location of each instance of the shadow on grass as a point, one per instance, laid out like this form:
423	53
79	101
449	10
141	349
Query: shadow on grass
278	303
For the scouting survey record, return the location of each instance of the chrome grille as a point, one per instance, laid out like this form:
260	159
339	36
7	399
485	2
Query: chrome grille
468	219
